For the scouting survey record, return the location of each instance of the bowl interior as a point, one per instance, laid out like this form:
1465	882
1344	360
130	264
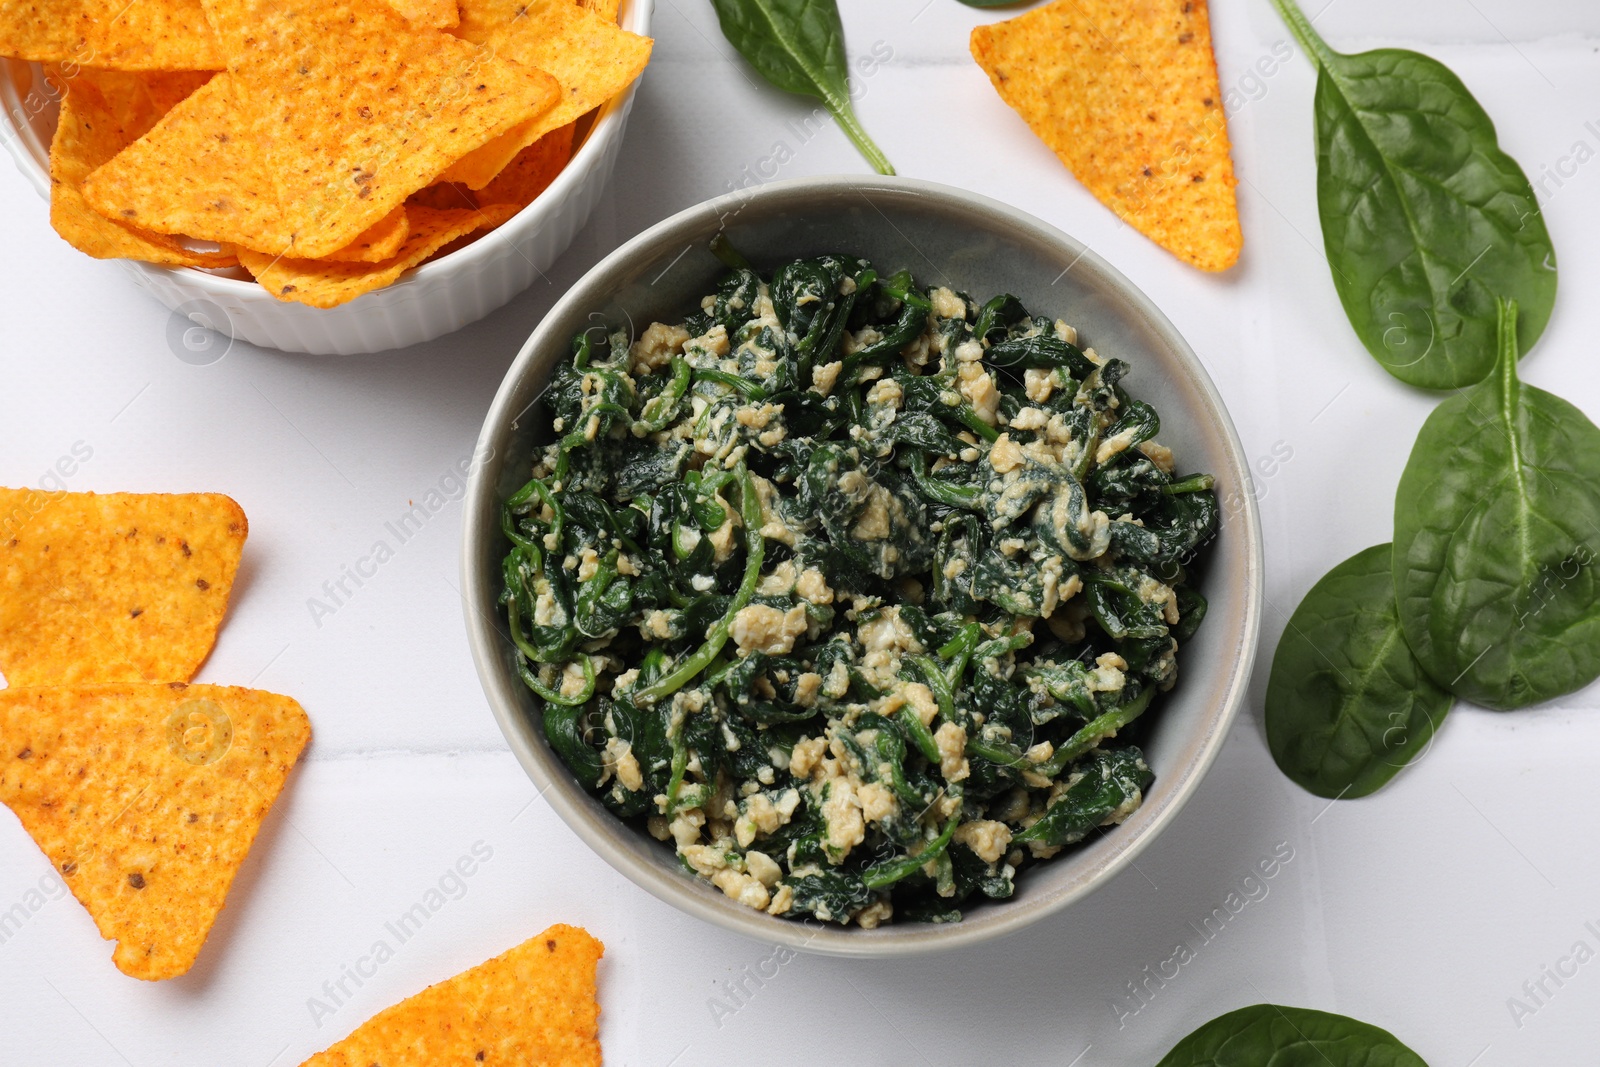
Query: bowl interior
944	237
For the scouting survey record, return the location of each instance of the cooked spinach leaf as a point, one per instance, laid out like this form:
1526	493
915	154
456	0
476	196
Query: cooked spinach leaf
798	46
1425	220
1111	781
1265	1034
1497	533
1348	705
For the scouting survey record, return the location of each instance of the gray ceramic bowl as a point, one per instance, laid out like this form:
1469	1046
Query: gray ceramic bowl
949	237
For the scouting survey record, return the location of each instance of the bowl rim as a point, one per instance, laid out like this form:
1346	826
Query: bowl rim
607	125
574	805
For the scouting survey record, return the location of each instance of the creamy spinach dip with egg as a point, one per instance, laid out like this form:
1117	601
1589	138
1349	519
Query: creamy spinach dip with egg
852	591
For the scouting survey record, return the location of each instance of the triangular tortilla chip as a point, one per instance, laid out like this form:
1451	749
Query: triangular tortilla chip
146	799
519	184
427	14
110	34
606	9
331	114
324	284
115	587
377	242
532	171
195	173
105	112
444	196
533	1005
589	56
1126	95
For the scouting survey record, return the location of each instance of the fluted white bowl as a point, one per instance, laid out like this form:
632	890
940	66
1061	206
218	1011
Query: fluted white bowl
427	302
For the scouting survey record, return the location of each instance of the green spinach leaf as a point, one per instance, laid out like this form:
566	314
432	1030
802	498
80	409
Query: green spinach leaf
798	46
1496	535
1425	220
1289	1037
1347	703
1112	780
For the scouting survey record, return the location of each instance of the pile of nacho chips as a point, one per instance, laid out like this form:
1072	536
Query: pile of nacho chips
1126	96
327	146
144	791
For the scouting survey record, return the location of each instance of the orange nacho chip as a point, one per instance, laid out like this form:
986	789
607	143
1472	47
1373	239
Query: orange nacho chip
444	196
330	115
378	242
325	284
589	56
113	587
1127	96
535	1004
427	14
518	184
532	171
110	34
606	9
146	799
193	167
104	112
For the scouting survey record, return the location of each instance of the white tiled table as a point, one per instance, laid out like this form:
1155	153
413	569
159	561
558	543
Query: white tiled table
1423	909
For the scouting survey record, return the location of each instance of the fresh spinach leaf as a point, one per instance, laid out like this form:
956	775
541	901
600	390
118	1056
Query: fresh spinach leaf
798	46
1348	705
1289	1037
1496	535
1425	220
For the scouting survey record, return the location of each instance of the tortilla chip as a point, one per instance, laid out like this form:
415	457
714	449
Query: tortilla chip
532	171
115	587
146	798
330	115
136	100
103	113
535	1004
606	9
325	284
513	189
589	56
110	34
479	167
1126	95
444	196
193	173
427	14
378	243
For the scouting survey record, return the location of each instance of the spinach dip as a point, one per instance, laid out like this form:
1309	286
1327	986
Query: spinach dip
846	588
